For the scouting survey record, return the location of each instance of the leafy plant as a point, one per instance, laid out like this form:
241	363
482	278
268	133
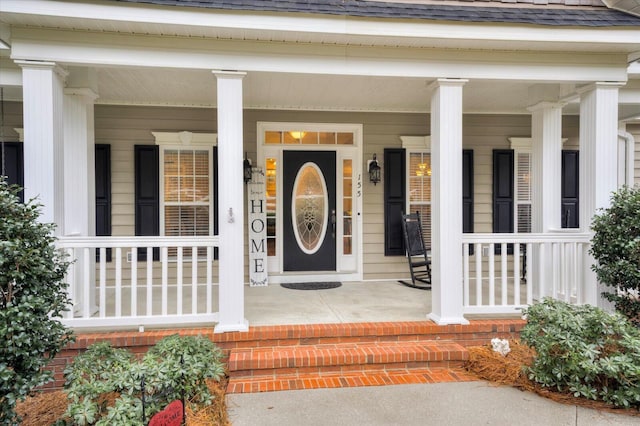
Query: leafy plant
584	350
175	367
616	248
32	297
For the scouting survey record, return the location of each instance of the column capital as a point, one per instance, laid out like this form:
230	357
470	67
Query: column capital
451	82
600	85
546	105
42	65
229	73
88	95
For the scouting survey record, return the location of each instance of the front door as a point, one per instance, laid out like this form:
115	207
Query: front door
309	238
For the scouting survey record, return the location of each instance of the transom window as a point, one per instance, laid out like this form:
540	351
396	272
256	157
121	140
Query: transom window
303	137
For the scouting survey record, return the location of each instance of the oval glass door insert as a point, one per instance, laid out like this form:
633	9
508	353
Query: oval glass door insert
309	208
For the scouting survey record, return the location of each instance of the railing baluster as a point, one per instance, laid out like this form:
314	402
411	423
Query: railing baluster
103	282
492	274
165	280
465	274
209	278
194	280
542	285
149	281
516	274
118	298
478	274
179	277
503	273
86	283
71	282
554	282
134	282
529	282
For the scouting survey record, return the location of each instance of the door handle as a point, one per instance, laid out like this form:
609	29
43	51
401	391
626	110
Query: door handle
333	223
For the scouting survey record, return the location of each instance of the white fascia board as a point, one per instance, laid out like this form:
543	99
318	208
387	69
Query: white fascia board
310	24
88	48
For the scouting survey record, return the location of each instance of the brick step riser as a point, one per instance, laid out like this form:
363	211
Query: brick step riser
323	359
462	339
345	369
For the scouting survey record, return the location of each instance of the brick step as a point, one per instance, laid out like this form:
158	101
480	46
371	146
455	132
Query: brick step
299	381
344	357
478	332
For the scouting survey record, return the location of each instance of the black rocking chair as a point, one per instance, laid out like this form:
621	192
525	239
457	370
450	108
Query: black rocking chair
417	253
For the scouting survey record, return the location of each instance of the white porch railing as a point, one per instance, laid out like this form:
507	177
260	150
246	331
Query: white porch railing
110	286
507	272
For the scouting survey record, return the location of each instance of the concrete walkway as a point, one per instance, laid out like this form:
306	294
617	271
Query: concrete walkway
446	404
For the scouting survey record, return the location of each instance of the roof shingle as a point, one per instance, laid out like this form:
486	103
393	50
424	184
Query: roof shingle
531	14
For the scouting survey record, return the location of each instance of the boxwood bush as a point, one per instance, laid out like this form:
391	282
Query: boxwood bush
584	350
32	299
175	367
616	248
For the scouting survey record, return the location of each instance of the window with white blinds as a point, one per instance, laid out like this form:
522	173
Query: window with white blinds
419	189
186	200
523	191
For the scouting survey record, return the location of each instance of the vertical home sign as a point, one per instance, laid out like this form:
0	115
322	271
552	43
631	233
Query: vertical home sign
257	222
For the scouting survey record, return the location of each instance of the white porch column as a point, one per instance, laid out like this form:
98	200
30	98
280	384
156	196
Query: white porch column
598	165
230	203
79	184
546	149
446	210
42	89
79	158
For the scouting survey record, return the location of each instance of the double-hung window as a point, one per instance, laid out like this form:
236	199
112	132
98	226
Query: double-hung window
522	184
186	185
419	181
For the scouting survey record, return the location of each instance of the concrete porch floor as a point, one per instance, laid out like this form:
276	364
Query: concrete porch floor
370	301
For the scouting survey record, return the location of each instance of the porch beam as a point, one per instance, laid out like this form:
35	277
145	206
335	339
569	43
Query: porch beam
43	106
446	213
598	165
204	54
230	202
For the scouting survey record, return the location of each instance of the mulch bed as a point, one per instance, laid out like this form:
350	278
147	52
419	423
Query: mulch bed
508	370
47	407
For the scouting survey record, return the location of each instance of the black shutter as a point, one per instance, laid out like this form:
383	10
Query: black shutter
103	193
13	162
147	195
467	193
394	200
503	199
570	189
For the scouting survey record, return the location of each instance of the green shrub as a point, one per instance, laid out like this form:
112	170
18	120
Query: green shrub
584	350
103	369
616	248
32	297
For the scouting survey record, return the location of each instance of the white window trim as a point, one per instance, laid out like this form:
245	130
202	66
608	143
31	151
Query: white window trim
185	140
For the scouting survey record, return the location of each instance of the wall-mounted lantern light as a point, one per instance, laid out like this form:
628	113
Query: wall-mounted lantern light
374	170
246	168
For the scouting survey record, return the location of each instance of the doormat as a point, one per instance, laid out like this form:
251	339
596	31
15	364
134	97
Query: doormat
312	286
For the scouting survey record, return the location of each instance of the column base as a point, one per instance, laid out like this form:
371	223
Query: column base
226	328
447	320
